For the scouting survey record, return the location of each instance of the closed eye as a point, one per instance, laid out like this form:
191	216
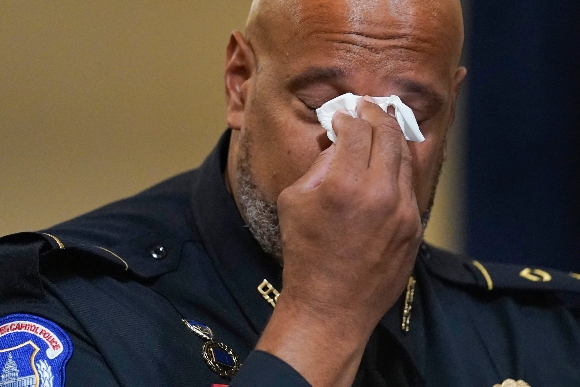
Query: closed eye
309	106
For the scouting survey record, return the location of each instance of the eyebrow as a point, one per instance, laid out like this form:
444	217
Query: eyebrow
316	75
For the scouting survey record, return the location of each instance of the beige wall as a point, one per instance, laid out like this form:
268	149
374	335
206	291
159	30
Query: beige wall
100	99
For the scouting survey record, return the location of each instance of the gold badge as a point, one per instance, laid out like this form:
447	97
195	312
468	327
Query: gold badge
512	383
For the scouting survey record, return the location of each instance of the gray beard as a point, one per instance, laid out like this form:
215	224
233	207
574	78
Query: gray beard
261	214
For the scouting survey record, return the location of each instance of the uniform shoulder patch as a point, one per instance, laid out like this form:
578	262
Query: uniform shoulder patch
33	352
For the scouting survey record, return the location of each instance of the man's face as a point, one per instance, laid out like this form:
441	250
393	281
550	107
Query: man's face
321	50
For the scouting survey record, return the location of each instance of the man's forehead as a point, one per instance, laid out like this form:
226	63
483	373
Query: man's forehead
353	11
281	25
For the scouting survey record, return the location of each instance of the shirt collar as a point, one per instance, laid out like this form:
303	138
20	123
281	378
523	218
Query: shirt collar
239	260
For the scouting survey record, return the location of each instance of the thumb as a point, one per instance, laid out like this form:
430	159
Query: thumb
314	176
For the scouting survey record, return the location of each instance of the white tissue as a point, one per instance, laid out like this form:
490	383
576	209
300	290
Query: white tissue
403	114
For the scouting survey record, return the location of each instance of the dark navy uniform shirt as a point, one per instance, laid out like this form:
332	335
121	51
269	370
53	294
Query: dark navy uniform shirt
119	281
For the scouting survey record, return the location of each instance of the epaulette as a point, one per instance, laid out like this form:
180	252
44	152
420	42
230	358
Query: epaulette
463	271
23	257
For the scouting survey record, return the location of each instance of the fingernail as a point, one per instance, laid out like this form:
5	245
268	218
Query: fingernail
343	111
370	99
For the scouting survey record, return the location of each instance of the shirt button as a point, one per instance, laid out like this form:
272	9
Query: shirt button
158	252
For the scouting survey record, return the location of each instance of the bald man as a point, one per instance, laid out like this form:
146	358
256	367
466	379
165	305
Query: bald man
286	259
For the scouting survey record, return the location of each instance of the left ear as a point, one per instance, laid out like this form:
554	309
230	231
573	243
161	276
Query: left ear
240	67
458	79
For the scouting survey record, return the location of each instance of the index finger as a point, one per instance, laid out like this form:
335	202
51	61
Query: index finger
387	144
353	143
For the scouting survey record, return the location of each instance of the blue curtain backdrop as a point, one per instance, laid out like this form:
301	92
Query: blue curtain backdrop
523	195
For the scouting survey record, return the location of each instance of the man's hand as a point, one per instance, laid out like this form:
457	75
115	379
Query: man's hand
351	230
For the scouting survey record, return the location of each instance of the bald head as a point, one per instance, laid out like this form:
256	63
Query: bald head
274	24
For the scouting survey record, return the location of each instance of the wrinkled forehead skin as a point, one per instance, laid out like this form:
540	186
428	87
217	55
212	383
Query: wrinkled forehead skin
382	37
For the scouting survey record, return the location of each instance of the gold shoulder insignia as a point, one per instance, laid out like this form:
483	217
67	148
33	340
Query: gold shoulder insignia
536	275
485	274
60	244
479	275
